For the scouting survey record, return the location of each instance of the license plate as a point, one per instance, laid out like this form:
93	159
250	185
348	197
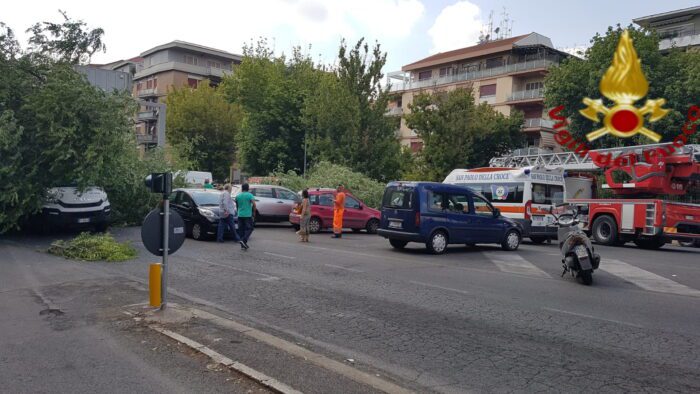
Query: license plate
84	220
394	224
581	252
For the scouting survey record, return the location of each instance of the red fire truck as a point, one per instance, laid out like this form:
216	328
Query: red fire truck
636	178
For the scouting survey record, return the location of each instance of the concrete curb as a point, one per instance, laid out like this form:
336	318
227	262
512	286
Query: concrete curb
228	363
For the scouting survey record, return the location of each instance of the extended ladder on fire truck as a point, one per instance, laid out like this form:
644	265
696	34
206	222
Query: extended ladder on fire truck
656	169
575	162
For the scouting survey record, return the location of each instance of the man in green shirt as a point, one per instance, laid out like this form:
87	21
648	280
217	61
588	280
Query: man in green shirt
246	207
207	184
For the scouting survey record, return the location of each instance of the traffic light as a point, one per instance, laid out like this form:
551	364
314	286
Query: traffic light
160	182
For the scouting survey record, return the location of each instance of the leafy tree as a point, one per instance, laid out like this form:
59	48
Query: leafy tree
675	77
272	91
69	42
203	120
347	115
457	133
55	128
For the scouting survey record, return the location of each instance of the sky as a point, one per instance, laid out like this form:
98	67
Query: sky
408	30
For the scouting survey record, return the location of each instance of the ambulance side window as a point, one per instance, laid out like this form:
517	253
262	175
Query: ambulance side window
539	193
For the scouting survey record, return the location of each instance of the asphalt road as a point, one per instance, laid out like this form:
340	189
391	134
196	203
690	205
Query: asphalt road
475	319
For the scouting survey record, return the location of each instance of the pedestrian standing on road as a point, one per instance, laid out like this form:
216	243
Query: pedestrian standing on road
207	184
305	217
227	216
246	206
338	211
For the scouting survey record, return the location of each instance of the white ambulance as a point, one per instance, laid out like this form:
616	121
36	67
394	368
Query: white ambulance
523	194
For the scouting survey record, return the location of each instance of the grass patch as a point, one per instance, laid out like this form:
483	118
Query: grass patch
93	247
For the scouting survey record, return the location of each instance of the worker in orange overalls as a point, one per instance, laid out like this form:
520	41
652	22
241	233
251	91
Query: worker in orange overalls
338	210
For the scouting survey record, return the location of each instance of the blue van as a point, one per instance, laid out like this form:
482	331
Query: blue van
439	214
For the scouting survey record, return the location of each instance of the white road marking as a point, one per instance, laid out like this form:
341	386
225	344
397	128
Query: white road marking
344	268
645	279
515	264
592	317
439	287
279	255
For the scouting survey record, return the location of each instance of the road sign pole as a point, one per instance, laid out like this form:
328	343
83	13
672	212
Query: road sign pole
166	231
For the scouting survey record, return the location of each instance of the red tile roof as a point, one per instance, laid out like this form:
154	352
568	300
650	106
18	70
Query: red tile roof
505	44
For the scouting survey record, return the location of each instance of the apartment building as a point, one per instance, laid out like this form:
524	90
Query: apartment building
676	29
507	73
173	65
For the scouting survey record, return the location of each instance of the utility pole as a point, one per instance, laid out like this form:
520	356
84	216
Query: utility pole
305	136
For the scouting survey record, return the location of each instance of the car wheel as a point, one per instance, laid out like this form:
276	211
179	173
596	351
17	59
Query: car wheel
511	241
198	232
605	230
397	244
372	226
537	240
314	225
437	244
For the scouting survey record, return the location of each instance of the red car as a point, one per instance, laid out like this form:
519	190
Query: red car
357	216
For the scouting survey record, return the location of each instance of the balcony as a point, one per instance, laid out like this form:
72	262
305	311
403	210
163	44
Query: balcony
147	115
684	39
534	94
147	92
534	123
473	75
145	139
204	71
396	111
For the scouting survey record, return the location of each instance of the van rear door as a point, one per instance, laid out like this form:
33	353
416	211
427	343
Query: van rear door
399	209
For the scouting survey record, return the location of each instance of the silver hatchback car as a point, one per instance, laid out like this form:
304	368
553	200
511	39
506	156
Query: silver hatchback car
273	203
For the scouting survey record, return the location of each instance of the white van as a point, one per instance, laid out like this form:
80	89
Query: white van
197	178
523	194
68	207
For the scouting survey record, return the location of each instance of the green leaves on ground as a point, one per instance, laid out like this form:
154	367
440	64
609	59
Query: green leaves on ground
93	247
674	77
457	133
206	124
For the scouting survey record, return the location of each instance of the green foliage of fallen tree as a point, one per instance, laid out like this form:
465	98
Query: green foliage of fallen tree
93	247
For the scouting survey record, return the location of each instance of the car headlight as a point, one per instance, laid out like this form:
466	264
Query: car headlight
207	213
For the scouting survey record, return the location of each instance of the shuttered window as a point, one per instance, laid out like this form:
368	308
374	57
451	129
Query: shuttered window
487	90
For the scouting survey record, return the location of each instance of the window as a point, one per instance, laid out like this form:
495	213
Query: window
455	203
213	64
487	90
175	198
446	71
416	146
500	192
192	82
326	200
351	203
534	85
425	75
494	62
138	86
261	192
547	194
189	59
398	197
149	84
399	102
482	207
286	195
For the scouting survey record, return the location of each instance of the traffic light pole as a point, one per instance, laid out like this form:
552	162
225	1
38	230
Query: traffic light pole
166	228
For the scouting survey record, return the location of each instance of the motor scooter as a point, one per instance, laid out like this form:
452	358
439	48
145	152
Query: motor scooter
579	257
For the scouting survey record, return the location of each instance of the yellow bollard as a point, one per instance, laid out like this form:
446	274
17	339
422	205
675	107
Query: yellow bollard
154	275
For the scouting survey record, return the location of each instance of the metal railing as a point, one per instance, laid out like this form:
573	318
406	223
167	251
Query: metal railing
471	75
574	161
148	115
396	111
538	122
146	139
682	39
147	92
526	94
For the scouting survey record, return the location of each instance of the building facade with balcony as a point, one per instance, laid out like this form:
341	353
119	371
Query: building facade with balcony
176	64
676	29
507	74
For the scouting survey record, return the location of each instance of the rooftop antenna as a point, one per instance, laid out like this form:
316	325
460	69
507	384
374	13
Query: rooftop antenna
486	34
505	26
